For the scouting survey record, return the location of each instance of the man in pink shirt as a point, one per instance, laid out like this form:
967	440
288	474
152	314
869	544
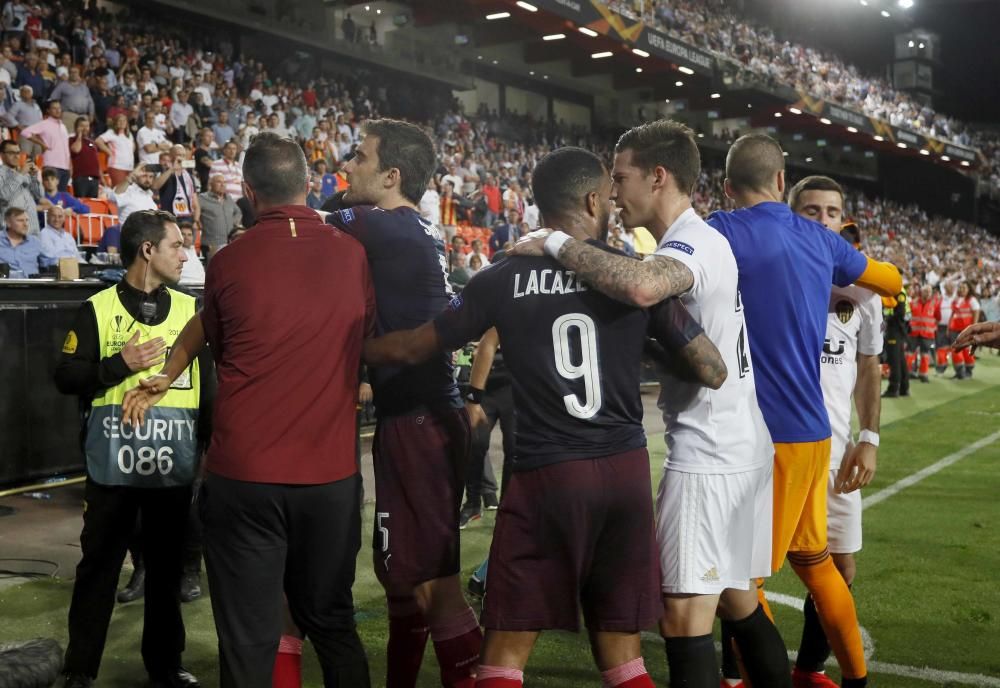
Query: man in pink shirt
230	170
51	135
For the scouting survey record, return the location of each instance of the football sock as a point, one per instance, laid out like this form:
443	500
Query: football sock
759	582
456	644
498	677
814	650
854	682
835	607
288	663
762	650
408	633
692	662
629	675
730	665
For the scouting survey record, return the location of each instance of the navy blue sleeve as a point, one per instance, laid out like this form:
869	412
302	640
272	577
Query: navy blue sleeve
848	263
672	326
472	312
353	221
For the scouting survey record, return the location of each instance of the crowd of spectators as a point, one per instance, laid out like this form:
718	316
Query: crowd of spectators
173	120
755	49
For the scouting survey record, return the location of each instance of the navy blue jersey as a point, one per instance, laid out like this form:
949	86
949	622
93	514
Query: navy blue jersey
407	261
573	356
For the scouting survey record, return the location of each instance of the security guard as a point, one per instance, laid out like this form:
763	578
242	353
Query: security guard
144	470
897	316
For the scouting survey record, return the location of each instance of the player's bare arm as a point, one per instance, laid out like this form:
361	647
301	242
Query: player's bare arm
623	278
402	347
482	362
682	347
698	362
858	468
705	362
980	334
641	283
151	390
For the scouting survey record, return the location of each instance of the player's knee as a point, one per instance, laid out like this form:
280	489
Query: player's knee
847	565
738	604
687	616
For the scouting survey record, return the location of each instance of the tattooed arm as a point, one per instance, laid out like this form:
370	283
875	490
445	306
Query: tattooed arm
640	283
682	347
704	362
637	283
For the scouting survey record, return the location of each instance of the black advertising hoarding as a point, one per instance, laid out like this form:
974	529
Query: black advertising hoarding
877	127
597	17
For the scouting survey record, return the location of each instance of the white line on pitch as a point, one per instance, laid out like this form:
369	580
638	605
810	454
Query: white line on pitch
928	471
922	673
796	603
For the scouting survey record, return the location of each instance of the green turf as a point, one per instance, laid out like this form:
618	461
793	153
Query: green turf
926	587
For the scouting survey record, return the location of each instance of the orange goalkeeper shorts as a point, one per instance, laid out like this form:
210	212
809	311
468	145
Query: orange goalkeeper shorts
800	484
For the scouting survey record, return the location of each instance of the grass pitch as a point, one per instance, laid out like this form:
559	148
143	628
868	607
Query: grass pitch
926	589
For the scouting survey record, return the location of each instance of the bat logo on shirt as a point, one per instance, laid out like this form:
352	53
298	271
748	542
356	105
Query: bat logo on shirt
845	311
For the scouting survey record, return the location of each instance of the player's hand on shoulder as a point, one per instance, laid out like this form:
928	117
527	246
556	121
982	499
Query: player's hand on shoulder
531	244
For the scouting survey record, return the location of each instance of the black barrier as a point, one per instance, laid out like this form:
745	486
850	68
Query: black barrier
39	427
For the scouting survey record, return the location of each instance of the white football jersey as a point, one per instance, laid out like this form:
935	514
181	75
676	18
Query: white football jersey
853	326
723	430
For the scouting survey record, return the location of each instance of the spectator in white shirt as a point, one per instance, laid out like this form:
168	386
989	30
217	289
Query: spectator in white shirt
531	215
134	193
193	271
57	242
119	139
180	111
430	204
151	141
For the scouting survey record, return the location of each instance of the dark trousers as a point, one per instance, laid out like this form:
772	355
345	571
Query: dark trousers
63	178
498	405
262	540
899	377
107	527
85	187
191	549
